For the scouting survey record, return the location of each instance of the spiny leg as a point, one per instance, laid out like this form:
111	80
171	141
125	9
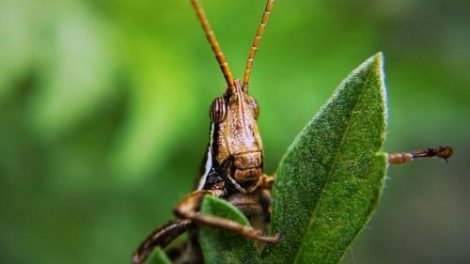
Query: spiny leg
406	157
160	237
266	186
188	208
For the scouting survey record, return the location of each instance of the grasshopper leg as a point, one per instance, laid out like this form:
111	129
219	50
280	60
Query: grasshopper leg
188	208
406	157
160	237
267	182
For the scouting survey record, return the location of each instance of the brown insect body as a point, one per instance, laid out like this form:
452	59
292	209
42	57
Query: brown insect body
233	164
237	155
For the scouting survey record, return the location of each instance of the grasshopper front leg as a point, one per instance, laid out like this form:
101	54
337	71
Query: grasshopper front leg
267	182
189	206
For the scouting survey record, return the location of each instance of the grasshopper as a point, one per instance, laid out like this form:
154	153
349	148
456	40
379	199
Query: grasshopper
232	168
233	163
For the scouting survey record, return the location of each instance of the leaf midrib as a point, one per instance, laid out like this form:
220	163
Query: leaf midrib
334	164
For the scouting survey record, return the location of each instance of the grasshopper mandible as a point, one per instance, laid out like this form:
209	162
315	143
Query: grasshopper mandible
233	163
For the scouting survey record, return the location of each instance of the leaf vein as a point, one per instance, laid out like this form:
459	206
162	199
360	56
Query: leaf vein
333	164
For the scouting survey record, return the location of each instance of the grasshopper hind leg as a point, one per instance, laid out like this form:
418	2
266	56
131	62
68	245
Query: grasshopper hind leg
186	251
160	237
443	152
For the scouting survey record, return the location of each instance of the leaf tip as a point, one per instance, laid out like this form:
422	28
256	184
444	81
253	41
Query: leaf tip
379	56
376	63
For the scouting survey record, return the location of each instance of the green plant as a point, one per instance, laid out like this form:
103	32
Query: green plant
327	185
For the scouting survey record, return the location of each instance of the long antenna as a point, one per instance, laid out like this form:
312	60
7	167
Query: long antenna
254	47
213	42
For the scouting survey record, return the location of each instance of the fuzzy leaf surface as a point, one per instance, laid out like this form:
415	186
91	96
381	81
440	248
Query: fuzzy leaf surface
330	180
220	246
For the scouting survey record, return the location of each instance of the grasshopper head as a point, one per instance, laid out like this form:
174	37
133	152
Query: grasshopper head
237	146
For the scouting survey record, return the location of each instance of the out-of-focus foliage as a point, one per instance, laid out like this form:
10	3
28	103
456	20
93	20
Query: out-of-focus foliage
103	113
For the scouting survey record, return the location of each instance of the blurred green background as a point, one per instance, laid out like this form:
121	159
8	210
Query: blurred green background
104	115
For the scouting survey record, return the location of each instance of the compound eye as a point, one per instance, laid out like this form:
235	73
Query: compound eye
255	107
218	110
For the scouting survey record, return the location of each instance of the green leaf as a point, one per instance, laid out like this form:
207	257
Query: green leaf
159	257
329	182
219	246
